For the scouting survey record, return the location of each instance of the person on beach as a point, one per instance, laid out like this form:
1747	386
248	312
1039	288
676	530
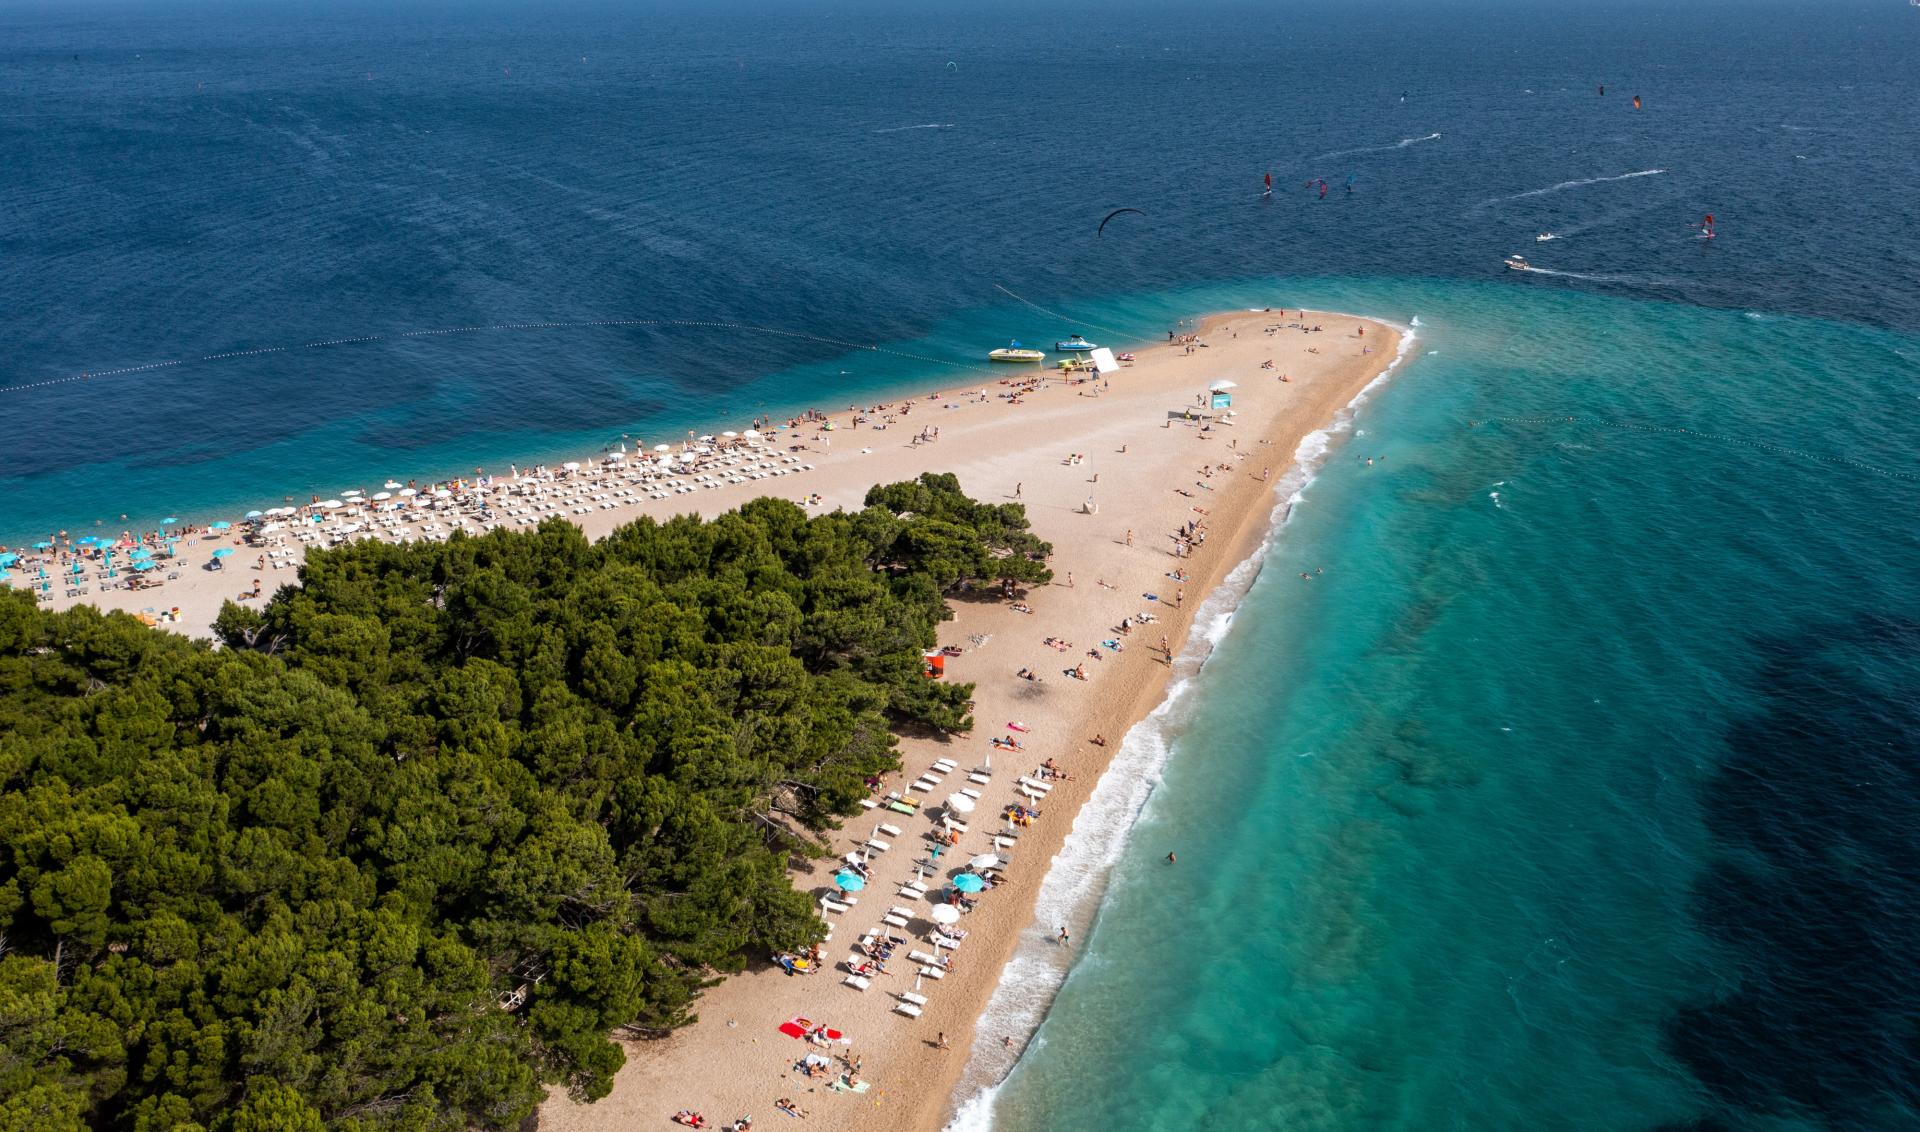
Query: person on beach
1064	937
941	1041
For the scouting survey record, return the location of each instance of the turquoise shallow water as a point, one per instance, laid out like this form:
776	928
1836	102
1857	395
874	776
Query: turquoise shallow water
1474	830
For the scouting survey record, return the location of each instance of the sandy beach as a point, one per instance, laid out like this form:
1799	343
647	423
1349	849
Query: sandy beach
1112	471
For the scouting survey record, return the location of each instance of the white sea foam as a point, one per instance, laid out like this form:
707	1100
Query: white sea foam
1078	875
921	126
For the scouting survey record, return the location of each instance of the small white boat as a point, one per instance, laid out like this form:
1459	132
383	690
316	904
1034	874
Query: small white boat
1517	263
1014	352
1074	345
1544	237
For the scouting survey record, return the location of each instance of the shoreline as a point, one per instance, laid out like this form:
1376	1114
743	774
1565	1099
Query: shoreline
1157	728
964	374
913	1082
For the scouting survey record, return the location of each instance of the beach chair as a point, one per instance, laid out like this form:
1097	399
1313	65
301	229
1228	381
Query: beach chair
877	845
979	778
922	957
897	921
869	804
932	973
916	999
925	786
971	793
907	1008
941	942
831	905
889	830
857	982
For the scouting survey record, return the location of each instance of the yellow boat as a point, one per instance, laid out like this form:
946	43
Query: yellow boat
1014	352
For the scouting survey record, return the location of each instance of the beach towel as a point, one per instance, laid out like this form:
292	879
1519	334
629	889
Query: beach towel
841	1086
796	1028
1017	726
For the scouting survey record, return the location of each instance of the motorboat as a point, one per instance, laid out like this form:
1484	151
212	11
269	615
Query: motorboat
1074	345
1518	263
1014	352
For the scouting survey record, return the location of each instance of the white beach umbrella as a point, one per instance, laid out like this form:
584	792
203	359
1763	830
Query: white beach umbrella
1222	386
960	803
751	434
616	456
331	504
663	448
442	493
379	495
729	435
571	466
707	438
944	914
272	527
984	861
352	491
407	492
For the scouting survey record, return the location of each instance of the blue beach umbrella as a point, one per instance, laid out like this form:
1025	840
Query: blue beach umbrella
223	552
222	525
969	882
253	514
145	564
9	558
43	546
141	552
79	569
849	881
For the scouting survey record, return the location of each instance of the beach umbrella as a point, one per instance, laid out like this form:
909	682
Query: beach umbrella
751	434
984	861
407	492
330	504
254	514
969	882
1222	386
223	552
79	569
729	435
222	525
571	466
379	495
616	455
442	493
353	491
960	803
141	552
145	564
663	448
43	546
9	558
849	881
944	914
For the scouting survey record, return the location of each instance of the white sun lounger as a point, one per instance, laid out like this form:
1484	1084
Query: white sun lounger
932	973
971	793
832	905
945	765
923	957
896	921
877	845
907	1008
940	941
979	778
856	982
916	999
889	830
924	786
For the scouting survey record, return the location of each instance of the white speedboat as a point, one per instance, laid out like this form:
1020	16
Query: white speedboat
1074	345
1014	352
1518	263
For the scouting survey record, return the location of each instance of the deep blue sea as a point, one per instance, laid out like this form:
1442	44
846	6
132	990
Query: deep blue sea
1579	791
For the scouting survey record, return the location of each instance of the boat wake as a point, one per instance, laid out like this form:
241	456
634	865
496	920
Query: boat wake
1077	876
1401	144
1626	280
922	126
1565	185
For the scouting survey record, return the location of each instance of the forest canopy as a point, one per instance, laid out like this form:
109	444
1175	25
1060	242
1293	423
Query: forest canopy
422	832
